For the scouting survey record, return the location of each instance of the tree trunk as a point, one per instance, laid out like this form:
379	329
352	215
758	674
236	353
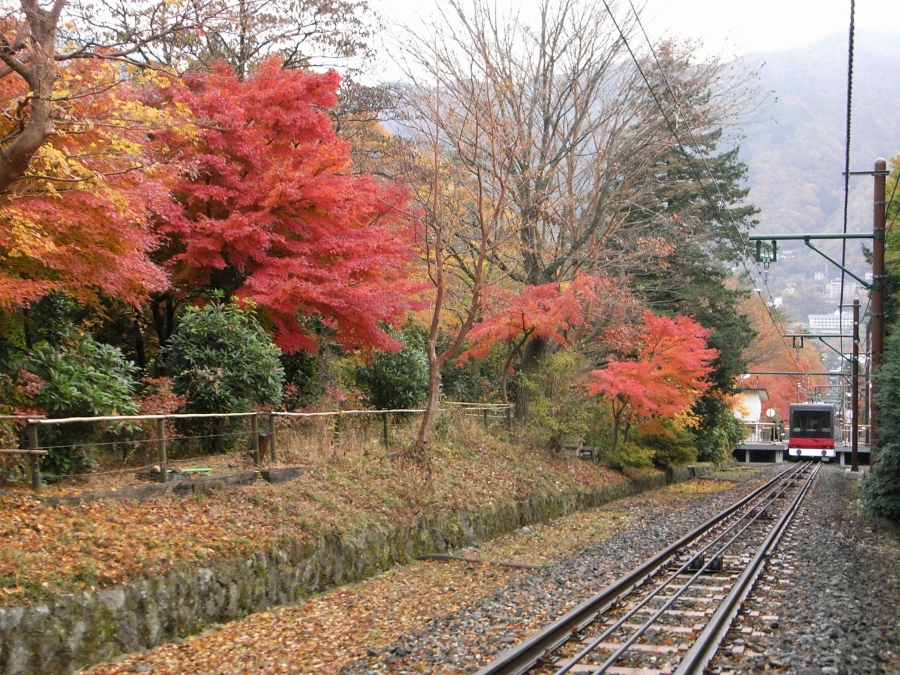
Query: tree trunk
139	346
39	72
419	451
535	349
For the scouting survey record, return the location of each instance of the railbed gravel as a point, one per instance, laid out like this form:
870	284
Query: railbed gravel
847	588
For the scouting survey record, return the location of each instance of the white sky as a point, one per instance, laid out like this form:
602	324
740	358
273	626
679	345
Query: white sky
728	28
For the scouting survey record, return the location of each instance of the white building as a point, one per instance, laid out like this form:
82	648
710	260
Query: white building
833	290
750	407
833	324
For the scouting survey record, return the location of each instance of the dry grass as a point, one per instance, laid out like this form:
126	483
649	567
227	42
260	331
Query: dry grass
351	482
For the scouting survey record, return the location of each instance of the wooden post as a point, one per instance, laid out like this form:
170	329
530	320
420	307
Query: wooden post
272	437
878	282
254	431
854	424
508	417
485	412
32	431
385	431
161	449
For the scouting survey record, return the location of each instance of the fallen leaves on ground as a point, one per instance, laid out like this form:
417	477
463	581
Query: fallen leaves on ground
47	550
339	627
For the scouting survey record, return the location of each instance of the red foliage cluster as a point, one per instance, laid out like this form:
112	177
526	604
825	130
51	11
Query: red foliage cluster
271	196
79	220
668	373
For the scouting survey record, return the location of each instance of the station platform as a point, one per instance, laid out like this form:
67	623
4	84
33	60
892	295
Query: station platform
776	452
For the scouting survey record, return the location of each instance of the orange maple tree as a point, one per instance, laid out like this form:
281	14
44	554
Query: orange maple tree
271	210
771	352
78	219
560	312
665	378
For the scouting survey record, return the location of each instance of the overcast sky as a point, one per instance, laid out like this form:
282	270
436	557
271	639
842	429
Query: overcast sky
727	28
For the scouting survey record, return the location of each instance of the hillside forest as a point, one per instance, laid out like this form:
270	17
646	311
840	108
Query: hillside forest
206	210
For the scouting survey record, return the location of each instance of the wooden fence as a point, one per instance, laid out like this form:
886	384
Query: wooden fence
35	451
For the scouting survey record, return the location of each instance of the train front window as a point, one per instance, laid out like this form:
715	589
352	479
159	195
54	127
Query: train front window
811	424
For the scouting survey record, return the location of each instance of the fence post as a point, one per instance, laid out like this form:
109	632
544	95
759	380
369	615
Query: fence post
508	417
161	449
272	436
386	431
254	431
485	419
32	431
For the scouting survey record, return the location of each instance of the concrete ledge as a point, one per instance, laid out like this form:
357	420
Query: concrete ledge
282	475
182	488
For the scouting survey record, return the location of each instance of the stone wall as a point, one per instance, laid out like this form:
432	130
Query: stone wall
77	631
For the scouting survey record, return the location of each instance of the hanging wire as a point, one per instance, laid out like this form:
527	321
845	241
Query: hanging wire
888	206
740	246
847	163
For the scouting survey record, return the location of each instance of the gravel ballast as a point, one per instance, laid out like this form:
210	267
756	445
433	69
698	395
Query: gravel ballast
847	586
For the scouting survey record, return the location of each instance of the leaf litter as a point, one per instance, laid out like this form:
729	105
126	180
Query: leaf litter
336	629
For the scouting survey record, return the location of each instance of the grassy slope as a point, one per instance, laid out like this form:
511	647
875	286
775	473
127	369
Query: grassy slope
47	550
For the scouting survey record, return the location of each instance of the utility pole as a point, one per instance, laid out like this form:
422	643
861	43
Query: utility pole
878	282
876	288
854	398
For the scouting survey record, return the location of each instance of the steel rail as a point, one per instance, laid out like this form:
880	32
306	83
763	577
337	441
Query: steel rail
523	656
670	600
705	647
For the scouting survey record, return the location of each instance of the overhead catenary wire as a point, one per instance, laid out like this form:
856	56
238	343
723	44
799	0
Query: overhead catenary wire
847	156
738	247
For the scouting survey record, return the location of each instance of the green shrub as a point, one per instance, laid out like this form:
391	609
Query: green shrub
670	446
720	431
391	381
558	407
221	360
630	455
882	489
78	378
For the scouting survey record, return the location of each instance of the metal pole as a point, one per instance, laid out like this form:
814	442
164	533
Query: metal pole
272	437
385	431
161	449
878	279
854	399
32	431
254	432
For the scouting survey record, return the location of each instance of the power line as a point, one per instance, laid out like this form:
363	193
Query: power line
724	205
847	152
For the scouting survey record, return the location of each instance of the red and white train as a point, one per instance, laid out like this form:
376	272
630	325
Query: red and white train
811	431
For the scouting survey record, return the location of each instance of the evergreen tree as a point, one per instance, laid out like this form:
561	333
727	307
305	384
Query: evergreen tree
882	489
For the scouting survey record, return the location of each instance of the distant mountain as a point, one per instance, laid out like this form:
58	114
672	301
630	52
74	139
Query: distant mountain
796	153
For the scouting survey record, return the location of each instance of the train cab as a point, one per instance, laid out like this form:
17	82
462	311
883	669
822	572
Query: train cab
811	431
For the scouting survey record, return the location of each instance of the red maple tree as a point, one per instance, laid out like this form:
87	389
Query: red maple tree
271	210
666	377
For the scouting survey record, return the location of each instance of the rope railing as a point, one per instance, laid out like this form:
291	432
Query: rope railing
35	450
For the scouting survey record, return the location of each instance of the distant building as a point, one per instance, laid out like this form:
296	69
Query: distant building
750	408
833	323
833	290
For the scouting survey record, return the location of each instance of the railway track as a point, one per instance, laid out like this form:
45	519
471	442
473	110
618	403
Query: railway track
669	615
